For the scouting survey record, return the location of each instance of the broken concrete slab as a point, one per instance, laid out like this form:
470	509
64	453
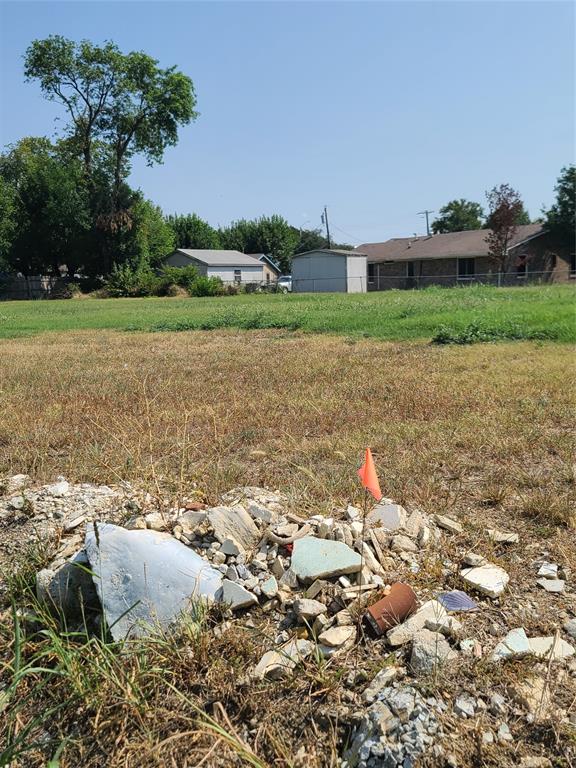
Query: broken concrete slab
336	640
145	578
551	585
314	558
387	515
551	647
429	651
236	596
514	646
402	543
432	610
276	664
234	523
448	524
548	571
502	537
307	610
474	560
491	580
260	512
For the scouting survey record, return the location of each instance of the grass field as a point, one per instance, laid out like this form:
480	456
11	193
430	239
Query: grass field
539	312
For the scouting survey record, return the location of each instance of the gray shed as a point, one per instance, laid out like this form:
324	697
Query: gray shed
325	270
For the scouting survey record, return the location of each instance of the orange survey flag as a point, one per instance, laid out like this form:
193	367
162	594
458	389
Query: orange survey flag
368	476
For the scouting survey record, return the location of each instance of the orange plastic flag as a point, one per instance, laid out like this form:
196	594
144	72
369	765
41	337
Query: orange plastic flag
368	476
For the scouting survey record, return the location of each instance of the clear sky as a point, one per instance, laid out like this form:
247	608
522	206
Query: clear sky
376	109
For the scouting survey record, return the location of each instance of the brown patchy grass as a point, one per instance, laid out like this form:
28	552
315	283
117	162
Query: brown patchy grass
483	433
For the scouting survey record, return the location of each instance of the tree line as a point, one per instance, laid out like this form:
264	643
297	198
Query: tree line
67	203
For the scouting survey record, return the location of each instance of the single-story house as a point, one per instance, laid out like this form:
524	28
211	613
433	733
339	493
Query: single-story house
271	270
461	257
327	269
230	266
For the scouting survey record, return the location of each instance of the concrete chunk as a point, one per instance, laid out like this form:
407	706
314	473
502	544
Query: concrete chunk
491	580
314	558
387	515
403	633
234	523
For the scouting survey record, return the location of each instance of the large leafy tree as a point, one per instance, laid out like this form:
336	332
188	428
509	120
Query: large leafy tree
190	231
271	235
505	214
8	222
561	217
49	208
457	216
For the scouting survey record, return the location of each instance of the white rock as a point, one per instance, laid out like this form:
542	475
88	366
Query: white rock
548	571
336	640
16	483
403	633
546	647
306	609
447	625
276	664
491	580
259	512
502	537
57	489
234	523
353	513
156	521
551	585
465	706
402	543
387	515
382	679
448	524
514	646
474	560
570	628
429	650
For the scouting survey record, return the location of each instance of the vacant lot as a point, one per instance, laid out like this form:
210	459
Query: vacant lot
483	433
533	312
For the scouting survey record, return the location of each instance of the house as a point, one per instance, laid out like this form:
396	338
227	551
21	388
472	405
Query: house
462	257
326	269
271	270
230	266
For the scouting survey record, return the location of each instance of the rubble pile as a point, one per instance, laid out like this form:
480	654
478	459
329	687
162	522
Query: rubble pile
327	584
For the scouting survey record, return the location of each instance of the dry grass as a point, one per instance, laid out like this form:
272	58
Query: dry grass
482	433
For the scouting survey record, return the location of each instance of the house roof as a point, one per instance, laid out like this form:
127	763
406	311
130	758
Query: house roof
220	258
336	251
264	257
451	245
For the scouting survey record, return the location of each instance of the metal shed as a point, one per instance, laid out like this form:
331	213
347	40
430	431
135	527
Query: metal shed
329	270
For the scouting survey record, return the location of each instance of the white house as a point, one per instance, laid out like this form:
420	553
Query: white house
229	266
326	270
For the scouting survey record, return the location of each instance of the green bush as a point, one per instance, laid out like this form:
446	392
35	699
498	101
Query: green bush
184	277
207	286
133	280
477	332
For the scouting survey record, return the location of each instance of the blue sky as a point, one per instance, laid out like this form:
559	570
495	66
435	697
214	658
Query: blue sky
376	109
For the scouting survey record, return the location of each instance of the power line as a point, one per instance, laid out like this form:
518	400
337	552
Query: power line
324	219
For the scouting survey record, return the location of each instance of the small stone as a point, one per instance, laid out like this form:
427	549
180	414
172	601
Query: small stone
384	678
487	737
232	573
387	515
497	704
448	524
551	585
269	587
465	706
353	513
326	528
288	579
231	547
447	625
402	543
502	537
403	633
344	618
234	523
504	733
474	560
156	521
276	664
277	567
336	637
546	647
218	558
429	650
534	695
491	580
307	610
570	628
16	483
259	512
321	623
514	646
57	489
548	571
236	595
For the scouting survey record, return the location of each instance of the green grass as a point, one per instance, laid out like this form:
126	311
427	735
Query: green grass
535	312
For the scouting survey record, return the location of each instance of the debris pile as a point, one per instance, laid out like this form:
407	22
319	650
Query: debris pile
327	584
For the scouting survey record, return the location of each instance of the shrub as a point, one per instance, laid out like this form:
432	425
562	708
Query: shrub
477	332
207	286
133	280
181	276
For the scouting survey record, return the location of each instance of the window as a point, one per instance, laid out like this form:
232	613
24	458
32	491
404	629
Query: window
522	268
573	265
409	269
371	272
267	277
237	275
466	269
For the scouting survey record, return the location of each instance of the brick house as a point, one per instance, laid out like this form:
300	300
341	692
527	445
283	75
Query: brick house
462	257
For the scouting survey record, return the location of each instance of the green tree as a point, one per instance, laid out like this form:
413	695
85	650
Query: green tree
124	101
152	236
8	223
561	218
191	231
458	216
271	235
49	208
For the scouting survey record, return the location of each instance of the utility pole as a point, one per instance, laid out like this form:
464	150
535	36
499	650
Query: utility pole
425	213
324	218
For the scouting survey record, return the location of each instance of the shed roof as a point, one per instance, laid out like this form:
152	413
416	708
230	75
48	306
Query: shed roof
451	245
335	251
220	258
263	257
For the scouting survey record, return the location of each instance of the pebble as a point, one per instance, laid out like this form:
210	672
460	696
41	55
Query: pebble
551	585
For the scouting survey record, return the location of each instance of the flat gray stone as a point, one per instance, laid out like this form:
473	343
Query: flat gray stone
306	609
387	515
432	610
548	647
491	580
314	558
448	524
234	523
145	578
570	628
548	571
236	596
429	651
276	664
269	587
502	537
402	543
